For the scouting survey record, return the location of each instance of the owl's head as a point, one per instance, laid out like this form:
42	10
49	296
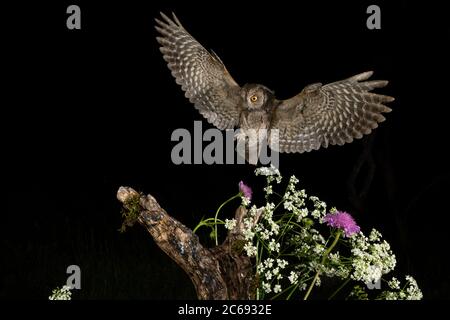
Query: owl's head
256	96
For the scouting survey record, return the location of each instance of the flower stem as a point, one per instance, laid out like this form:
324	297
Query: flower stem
293	290
339	289
217	213
324	258
207	223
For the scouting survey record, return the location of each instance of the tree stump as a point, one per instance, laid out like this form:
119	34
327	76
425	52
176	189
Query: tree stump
219	273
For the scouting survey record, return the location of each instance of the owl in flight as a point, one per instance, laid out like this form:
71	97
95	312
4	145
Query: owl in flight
320	115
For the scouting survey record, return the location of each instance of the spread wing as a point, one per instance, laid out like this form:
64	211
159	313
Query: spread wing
202	75
335	113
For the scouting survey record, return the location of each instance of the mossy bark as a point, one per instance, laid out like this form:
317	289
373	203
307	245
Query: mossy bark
220	273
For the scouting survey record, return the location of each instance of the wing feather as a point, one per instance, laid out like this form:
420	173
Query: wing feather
202	75
332	114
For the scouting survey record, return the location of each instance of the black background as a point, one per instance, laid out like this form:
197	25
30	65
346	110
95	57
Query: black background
86	111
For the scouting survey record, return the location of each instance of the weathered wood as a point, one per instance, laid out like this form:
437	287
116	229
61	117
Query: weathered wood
220	273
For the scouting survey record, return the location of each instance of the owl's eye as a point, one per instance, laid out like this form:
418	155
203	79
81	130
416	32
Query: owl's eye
253	98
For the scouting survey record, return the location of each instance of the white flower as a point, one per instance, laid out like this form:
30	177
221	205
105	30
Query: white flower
63	293
342	272
245	201
267	171
268	210
293	180
266	287
293	277
268	263
301	193
374	235
411	280
318	248
413	291
274	227
318	282
274	246
391	296
271	173
334	257
394	283
253	210
373	273
260	268
320	208
288	205
282	263
275	271
316	214
248	232
268	190
277	288
265	234
230	224
250	249
302	213
371	259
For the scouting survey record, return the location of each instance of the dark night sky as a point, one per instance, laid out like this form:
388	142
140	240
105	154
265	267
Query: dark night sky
88	111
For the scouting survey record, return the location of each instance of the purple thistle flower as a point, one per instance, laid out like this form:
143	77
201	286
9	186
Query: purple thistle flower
342	220
245	190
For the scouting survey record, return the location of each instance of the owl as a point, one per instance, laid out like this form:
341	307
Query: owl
319	116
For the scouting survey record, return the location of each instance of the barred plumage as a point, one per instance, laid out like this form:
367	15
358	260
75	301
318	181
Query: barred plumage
332	114
202	75
318	116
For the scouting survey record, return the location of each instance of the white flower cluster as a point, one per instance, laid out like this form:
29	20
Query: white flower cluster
293	277
372	257
245	201
308	242
394	284
411	291
340	271
268	190
374	235
271	228
277	288
282	263
271	173
249	225
63	293
336	268
274	246
294	200
291	232
334	257
266	287
270	269
320	208
265	229
230	224
250	249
